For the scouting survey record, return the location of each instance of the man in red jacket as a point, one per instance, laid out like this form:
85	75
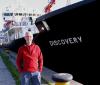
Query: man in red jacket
30	61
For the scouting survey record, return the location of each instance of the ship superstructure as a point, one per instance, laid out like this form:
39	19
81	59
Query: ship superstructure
17	23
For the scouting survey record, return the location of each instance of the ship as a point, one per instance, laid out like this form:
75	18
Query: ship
18	19
16	23
64	40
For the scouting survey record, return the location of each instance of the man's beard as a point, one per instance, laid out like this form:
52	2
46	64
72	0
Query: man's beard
28	42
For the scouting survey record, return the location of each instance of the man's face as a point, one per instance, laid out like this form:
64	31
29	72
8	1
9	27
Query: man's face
28	37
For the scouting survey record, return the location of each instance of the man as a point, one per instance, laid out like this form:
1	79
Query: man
29	61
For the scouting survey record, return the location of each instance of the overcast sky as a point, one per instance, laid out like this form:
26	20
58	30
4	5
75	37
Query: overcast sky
30	5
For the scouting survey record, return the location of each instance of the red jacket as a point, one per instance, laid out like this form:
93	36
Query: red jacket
29	58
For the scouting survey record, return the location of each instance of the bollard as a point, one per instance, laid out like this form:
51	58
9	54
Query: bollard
62	78
62	83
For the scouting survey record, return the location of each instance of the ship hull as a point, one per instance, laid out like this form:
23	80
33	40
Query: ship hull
66	46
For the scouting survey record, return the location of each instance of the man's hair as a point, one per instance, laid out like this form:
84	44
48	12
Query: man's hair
28	32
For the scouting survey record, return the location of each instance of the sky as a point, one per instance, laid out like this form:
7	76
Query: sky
30	5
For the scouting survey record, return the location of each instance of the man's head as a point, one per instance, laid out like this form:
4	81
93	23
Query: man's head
28	37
